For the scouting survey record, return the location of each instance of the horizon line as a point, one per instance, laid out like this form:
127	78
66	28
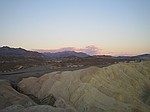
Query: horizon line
63	49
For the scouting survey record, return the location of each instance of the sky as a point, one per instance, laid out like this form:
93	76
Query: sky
115	27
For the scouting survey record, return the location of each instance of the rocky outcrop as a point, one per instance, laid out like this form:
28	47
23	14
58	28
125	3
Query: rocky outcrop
14	101
116	88
9	96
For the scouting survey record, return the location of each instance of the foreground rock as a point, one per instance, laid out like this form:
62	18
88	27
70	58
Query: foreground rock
9	96
13	101
120	87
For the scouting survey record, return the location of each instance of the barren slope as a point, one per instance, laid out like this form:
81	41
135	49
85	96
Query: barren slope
122	87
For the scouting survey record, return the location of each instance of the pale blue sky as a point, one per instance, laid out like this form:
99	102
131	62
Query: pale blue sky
115	26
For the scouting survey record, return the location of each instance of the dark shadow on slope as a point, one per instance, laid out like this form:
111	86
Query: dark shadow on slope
146	95
48	100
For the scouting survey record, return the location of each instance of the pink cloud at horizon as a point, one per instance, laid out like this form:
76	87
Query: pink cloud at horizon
91	50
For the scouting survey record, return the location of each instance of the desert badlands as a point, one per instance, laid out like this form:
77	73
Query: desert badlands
122	87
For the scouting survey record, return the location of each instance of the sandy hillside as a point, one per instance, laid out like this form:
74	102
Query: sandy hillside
120	87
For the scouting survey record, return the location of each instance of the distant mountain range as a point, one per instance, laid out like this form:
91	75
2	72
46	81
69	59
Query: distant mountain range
13	59
66	54
18	52
142	57
6	51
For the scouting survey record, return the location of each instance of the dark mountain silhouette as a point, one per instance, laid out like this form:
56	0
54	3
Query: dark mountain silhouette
143	56
65	54
18	52
12	59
